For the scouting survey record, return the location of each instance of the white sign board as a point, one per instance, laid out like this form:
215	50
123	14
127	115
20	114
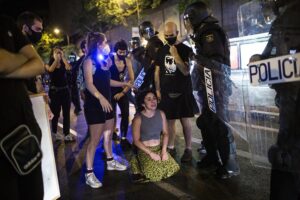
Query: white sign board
50	180
275	70
135	32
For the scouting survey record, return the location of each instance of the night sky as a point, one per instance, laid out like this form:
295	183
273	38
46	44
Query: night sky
14	7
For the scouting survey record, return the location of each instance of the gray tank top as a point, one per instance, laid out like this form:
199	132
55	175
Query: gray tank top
151	127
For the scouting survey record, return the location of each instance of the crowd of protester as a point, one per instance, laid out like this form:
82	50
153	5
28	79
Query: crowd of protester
155	78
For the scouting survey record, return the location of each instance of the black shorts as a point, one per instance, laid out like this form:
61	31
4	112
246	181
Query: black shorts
97	115
93	111
183	106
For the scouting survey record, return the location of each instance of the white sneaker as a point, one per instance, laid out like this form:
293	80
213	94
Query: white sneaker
59	136
91	180
70	137
115	165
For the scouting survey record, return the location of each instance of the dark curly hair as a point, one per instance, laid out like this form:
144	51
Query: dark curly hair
140	98
121	44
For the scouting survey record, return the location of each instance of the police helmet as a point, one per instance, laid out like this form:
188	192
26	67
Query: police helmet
146	30
135	41
198	13
275	4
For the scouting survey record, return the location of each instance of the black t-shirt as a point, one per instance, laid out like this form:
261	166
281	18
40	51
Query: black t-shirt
171	78
59	75
15	105
101	80
117	75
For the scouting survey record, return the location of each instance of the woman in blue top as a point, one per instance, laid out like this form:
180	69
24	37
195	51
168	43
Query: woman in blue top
97	108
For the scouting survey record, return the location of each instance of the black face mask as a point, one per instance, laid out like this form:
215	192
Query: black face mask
171	40
121	57
34	37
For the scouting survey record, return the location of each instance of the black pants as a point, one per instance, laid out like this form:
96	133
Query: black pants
16	187
123	104
215	136
60	99
75	98
285	184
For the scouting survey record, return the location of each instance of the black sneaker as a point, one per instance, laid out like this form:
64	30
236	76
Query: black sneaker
125	144
206	163
115	137
172	152
137	178
187	156
202	149
222	173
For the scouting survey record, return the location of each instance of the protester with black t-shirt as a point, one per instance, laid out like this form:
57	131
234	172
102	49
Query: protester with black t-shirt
18	61
31	26
59	93
120	70
174	88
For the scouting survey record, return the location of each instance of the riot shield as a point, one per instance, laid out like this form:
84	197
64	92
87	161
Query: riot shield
212	88
254	18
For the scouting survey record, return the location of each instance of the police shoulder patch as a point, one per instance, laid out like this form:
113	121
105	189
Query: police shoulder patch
209	38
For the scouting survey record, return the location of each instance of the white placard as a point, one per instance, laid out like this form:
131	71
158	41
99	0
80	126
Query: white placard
275	70
50	179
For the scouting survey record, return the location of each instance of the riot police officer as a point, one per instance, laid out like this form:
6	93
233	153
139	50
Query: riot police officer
147	31
285	154
212	55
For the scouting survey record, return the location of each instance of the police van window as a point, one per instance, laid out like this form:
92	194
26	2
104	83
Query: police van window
247	50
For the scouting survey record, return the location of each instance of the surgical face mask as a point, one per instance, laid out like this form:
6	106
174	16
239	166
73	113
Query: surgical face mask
171	40
106	50
34	37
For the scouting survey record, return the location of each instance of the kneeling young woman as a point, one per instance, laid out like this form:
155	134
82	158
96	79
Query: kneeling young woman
149	126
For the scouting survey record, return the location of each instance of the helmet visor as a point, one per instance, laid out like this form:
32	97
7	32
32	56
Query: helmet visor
188	26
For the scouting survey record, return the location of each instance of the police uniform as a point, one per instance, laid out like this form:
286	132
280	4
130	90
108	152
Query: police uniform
285	155
212	46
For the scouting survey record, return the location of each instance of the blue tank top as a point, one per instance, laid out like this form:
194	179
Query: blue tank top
101	80
117	75
151	128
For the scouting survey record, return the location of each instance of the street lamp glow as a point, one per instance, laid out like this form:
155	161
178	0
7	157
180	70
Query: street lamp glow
56	31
